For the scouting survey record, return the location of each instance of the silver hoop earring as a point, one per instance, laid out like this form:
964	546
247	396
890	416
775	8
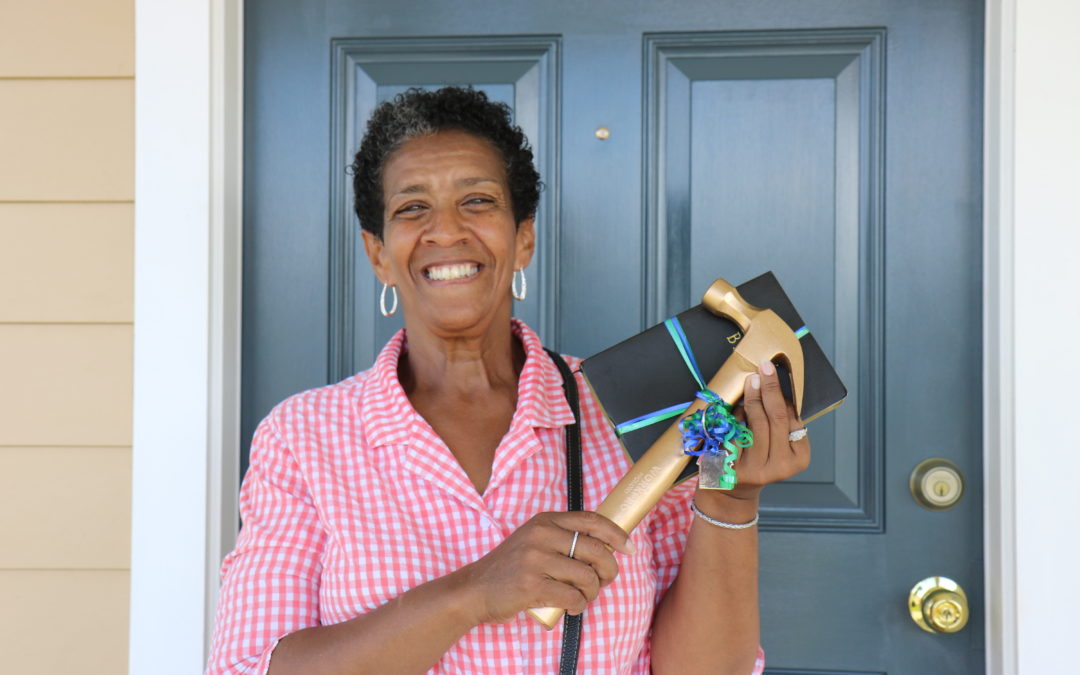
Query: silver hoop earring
519	295
382	300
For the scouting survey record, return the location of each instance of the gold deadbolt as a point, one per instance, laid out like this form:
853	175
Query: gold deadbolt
938	605
936	484
603	133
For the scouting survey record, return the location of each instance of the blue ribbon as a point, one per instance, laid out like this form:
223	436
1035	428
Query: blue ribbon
712	430
674	329
652	418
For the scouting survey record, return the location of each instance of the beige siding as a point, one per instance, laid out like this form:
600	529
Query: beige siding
65	384
64	622
74	140
66	262
77	519
67	38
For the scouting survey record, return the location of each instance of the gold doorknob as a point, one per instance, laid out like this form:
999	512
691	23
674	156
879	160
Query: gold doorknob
938	605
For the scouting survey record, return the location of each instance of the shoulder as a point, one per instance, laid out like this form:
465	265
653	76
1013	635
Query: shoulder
318	402
313	426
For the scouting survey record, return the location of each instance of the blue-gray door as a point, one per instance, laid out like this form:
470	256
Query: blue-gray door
837	143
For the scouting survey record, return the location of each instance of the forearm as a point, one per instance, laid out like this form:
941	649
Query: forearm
708	621
409	634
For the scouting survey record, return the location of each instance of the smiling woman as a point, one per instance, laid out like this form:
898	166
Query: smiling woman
404	519
450	241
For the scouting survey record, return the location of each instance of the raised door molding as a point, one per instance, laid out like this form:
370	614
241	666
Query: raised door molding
799	156
521	71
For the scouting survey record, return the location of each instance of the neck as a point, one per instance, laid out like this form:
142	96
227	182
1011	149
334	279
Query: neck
465	364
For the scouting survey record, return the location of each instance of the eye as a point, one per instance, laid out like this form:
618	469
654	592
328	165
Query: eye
478	201
411	208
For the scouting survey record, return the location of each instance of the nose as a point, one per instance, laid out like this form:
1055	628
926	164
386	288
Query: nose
446	227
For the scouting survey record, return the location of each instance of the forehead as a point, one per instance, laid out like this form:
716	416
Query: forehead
443	156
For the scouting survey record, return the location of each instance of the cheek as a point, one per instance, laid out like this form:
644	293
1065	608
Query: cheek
397	247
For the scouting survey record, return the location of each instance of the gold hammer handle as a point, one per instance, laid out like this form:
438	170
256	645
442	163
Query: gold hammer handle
652	475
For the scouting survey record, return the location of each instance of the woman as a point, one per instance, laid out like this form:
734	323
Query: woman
403	519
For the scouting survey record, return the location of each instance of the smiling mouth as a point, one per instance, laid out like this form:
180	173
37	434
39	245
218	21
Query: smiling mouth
451	272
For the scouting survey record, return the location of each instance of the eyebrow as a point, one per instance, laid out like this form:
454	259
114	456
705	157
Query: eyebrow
420	188
476	180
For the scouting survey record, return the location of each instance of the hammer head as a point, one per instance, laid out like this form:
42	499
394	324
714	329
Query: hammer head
765	335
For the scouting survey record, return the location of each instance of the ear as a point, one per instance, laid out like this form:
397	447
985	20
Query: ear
525	243
373	247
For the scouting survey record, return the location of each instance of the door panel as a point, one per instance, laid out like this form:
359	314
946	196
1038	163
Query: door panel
837	144
771	141
518	71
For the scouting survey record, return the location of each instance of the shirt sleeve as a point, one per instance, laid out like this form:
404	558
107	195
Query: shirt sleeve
270	581
668	529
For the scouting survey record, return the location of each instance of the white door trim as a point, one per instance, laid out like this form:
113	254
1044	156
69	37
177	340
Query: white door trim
188	159
1032	322
999	404
187	348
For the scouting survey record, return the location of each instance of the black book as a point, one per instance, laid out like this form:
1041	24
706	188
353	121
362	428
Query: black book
646	373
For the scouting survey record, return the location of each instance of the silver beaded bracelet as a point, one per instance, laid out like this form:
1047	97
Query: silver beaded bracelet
719	523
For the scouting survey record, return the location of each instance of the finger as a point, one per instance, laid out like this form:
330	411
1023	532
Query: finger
801	454
796	424
772	398
756	418
800	449
597	527
803	444
575	573
552	593
596	554
750	462
796	421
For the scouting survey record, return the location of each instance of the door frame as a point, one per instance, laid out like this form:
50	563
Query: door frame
188	220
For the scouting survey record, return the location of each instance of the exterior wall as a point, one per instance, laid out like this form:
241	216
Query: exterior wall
66	285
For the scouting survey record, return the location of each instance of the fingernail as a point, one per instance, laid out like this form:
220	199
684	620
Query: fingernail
755	381
631	547
767	367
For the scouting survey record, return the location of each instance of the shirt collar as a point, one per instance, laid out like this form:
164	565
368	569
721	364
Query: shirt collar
385	411
389	417
541	398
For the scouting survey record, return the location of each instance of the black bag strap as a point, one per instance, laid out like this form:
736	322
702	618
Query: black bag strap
574	502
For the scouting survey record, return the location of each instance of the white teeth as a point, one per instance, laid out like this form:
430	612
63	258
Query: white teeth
451	272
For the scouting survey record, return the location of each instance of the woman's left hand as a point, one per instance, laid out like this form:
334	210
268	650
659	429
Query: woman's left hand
772	457
722	562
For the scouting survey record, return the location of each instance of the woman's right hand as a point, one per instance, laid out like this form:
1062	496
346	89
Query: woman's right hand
531	568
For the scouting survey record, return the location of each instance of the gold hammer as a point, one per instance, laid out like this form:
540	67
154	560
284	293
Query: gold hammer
765	336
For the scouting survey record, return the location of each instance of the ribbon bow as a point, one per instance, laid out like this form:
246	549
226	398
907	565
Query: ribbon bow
714	430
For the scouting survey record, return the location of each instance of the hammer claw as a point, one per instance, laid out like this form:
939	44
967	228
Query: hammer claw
766	336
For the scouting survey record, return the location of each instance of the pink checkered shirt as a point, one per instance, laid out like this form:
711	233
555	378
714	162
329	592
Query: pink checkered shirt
351	499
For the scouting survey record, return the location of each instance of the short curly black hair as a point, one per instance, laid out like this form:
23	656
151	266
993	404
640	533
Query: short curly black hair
418	112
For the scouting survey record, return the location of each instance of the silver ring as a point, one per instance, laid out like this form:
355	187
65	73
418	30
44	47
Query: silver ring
573	545
797	435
